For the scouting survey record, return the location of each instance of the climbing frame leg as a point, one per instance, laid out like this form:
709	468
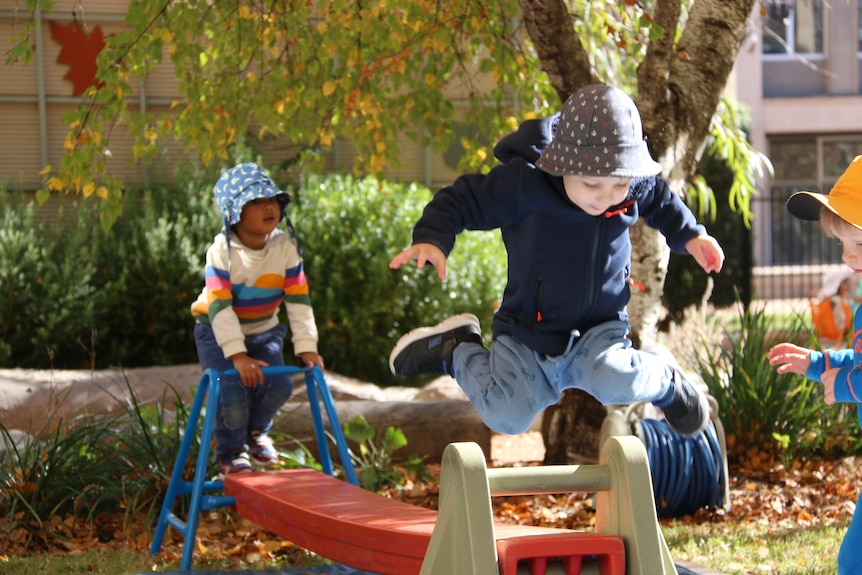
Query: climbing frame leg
198	489
208	388
628	508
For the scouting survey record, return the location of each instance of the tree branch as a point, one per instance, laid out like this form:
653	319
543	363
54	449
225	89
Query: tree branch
549	25
653	72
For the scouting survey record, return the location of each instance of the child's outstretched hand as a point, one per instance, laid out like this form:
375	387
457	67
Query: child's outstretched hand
706	252
789	358
423	254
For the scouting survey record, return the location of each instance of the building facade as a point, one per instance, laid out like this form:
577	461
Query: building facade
799	74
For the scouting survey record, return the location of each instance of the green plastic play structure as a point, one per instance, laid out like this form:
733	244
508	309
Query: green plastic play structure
463	539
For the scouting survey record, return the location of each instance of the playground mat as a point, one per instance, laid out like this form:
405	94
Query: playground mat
344	570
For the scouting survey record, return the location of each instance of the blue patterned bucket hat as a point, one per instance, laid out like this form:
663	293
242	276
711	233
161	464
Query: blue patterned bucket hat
599	133
242	184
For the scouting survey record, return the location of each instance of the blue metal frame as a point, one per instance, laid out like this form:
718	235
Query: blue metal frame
199	487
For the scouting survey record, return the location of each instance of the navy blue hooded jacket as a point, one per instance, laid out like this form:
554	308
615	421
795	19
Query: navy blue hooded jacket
567	270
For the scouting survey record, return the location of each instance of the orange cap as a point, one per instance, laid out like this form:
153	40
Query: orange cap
844	199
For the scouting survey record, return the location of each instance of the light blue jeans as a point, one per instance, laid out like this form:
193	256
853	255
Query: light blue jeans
510	384
242	410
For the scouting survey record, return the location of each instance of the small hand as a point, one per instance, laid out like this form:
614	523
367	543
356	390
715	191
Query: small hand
707	252
310	359
423	254
789	358
828	381
249	369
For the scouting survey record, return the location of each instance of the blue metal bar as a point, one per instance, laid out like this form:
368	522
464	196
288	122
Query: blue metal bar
340	442
197	489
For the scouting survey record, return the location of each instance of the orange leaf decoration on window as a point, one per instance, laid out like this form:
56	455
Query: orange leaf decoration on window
79	51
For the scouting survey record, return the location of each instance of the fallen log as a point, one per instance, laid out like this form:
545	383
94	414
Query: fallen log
429	426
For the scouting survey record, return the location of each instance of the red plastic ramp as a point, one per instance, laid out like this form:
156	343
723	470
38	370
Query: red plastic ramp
345	523
335	519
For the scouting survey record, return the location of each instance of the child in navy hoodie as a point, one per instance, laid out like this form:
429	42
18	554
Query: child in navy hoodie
564	198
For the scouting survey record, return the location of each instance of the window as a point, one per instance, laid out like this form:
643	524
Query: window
793	26
805	163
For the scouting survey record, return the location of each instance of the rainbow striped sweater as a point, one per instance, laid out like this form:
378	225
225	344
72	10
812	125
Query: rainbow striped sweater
242	294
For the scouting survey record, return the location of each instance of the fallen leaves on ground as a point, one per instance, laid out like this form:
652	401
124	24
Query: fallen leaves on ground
806	494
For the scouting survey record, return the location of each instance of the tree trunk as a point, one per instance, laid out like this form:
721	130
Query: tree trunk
571	429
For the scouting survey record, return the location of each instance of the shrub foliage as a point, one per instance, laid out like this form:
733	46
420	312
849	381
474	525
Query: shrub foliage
72	297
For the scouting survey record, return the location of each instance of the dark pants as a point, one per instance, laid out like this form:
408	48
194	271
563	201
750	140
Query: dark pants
243	410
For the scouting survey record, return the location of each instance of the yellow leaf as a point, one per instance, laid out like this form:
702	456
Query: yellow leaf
102	192
481	154
150	135
45	170
328	88
88	189
251	76
245	12
380	147
321	27
204	58
55	184
326	139
430	79
167	36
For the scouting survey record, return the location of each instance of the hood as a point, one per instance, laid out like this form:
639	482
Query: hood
532	137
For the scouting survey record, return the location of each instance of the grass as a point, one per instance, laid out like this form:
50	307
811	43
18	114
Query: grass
744	549
728	549
93	562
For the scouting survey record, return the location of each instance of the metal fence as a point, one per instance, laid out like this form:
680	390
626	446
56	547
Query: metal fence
792	257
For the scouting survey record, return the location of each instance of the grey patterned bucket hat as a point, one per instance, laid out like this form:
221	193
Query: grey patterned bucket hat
241	184
599	134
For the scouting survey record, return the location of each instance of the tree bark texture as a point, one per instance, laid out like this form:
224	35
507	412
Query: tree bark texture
679	85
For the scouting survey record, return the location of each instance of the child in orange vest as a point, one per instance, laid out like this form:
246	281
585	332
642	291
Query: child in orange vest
831	314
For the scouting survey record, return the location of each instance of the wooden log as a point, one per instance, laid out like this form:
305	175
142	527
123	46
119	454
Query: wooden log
429	426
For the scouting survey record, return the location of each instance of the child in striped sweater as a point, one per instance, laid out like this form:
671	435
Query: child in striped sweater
251	268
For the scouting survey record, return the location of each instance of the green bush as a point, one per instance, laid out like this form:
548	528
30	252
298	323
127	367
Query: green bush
48	288
73	297
152	269
766	414
348	230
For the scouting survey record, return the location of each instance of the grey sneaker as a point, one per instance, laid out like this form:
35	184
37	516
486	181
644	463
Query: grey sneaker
429	349
687	413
